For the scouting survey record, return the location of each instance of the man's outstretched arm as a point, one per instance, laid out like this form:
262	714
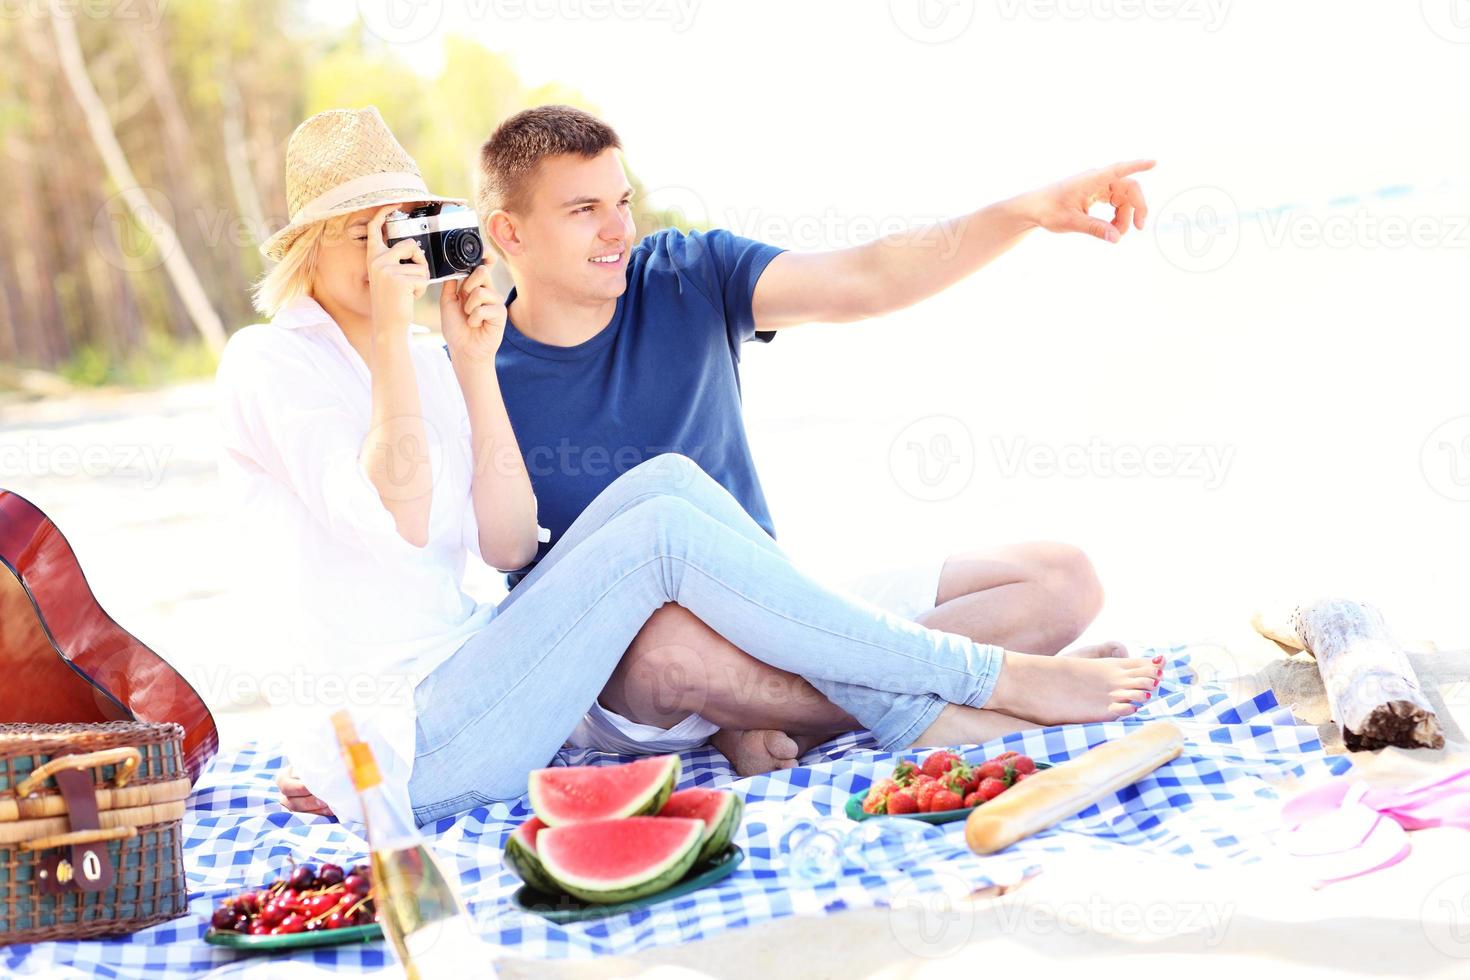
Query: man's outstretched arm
898	270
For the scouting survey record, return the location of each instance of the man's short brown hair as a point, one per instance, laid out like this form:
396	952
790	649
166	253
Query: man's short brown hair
509	158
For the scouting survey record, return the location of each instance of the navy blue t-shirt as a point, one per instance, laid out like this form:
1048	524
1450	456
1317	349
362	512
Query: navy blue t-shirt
662	376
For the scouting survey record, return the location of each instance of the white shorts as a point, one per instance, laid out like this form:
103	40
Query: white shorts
905	592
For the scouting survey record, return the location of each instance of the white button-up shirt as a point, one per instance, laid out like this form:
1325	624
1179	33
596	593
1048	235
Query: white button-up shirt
361	614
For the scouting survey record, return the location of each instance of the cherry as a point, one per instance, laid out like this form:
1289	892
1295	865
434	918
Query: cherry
318	904
248	903
335	920
356	884
302	878
271	913
223	918
259	929
360	916
291	923
363	870
329	875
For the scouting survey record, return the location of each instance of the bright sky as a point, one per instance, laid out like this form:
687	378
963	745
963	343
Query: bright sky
924	107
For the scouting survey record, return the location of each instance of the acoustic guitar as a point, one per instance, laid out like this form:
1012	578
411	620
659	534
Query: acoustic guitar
63	659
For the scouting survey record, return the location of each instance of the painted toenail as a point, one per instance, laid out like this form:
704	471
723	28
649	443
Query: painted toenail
1159	659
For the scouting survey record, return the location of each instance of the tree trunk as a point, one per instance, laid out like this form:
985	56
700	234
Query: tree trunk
180	272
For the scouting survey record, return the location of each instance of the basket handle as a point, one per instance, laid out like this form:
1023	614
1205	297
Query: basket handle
78	837
125	757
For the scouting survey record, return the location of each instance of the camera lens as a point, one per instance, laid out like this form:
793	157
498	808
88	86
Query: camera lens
463	249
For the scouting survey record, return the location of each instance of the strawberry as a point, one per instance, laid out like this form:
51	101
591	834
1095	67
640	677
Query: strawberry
874	801
1005	756
940	763
1024	764
924	793
991	788
994	769
901	802
946	799
957	779
904	773
974	799
1023	775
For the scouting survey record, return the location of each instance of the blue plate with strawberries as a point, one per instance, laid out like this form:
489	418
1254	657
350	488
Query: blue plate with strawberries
985	781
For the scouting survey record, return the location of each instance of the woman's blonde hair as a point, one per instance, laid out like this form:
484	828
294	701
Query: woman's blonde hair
292	277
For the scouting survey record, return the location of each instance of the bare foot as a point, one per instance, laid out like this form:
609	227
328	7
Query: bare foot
759	751
1064	690
1098	651
296	797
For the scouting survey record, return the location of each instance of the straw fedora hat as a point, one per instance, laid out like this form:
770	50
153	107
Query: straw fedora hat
340	161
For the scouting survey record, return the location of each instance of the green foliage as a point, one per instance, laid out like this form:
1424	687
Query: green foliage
160	359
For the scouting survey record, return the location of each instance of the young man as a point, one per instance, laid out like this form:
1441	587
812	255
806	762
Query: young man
617	350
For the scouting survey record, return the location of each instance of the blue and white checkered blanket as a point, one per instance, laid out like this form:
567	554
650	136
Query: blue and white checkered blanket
1206	807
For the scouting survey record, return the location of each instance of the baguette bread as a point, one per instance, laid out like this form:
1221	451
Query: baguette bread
1052	795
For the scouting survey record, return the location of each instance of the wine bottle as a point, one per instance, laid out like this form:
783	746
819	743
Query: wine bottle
431	933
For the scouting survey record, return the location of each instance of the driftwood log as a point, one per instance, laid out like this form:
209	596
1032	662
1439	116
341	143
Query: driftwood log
1371	688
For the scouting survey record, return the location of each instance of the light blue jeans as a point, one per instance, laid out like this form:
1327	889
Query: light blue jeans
665	532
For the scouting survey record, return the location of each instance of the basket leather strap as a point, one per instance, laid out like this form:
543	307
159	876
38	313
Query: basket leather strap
89	867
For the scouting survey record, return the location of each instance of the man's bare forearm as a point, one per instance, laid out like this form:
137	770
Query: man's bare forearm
908	266
505	505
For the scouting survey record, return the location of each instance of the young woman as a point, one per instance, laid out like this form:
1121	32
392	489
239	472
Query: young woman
366	464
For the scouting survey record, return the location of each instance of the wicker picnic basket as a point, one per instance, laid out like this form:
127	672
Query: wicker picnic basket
90	839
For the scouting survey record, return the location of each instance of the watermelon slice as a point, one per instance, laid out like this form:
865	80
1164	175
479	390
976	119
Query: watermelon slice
719	810
571	794
520	854
606	861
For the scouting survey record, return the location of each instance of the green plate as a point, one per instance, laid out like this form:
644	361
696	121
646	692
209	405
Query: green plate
564	908
854	809
296	940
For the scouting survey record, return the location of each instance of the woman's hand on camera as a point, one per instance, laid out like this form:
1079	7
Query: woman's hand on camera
396	276
472	315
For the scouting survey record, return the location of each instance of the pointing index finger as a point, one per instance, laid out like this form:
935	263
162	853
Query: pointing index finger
1132	167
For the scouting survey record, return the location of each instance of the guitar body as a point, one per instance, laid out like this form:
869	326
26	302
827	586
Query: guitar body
63	659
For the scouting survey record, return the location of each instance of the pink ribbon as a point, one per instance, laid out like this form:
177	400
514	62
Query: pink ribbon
1345	828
